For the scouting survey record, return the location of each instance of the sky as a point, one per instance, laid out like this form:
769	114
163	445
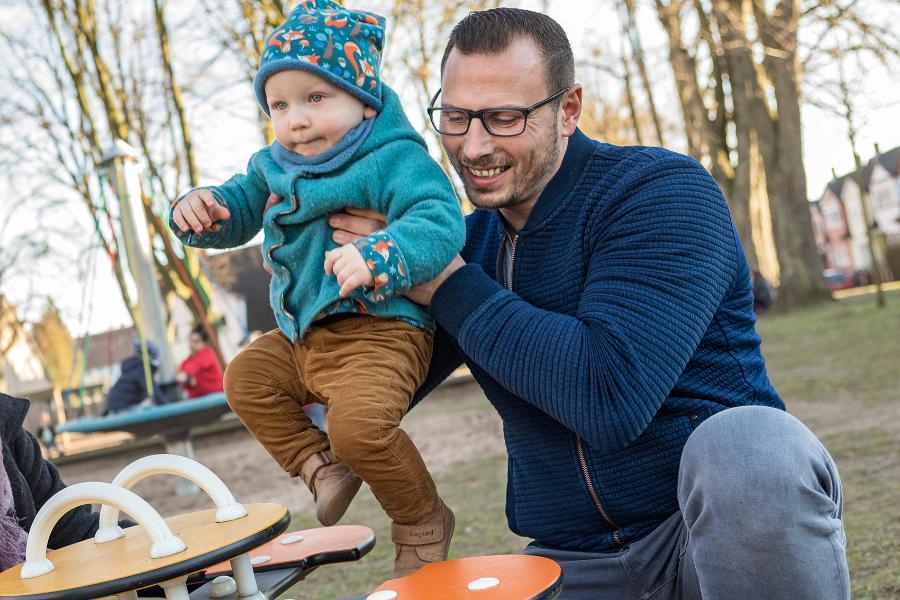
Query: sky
225	141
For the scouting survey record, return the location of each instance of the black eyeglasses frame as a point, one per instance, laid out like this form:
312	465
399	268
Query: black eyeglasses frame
479	114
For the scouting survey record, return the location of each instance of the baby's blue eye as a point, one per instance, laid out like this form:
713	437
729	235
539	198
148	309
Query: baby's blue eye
316	98
279	105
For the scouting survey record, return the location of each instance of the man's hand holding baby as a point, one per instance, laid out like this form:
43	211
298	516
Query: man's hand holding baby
348	265
198	211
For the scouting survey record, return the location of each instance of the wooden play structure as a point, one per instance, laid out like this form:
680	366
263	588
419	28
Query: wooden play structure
231	552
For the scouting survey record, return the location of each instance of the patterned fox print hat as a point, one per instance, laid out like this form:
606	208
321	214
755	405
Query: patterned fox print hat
339	45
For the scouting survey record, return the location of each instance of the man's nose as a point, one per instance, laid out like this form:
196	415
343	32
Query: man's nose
477	141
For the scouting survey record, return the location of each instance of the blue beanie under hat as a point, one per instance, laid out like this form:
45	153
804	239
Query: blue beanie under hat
339	45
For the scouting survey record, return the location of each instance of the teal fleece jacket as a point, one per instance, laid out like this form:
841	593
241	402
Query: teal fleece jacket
391	173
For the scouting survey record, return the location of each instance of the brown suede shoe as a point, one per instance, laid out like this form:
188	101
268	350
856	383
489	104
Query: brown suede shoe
332	484
423	542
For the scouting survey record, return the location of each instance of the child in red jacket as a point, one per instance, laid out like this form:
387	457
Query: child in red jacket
200	373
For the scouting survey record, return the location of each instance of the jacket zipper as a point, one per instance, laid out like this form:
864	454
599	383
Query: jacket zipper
593	492
581	459
512	259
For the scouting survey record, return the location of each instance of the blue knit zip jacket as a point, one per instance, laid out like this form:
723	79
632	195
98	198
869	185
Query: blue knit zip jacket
391	173
629	322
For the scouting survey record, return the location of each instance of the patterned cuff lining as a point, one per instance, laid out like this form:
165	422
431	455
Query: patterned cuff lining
386	264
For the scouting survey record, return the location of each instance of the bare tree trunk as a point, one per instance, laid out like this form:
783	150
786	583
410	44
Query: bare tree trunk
174	91
629	94
760	166
801	265
87	28
637	55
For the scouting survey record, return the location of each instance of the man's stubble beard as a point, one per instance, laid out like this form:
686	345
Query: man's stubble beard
520	191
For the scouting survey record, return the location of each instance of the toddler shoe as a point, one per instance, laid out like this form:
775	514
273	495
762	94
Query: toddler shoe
424	542
332	484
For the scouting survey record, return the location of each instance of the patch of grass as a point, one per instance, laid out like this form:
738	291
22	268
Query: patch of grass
835	350
869	464
837	364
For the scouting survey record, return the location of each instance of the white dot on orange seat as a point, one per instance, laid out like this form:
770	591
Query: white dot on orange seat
291	539
260	560
382	595
484	583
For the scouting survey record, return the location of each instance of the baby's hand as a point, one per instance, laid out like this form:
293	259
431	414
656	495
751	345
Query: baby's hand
347	264
198	210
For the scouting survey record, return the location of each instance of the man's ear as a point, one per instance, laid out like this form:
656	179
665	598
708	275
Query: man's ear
369	112
571	110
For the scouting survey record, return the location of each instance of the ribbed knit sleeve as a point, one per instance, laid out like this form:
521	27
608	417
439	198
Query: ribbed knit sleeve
663	255
245	198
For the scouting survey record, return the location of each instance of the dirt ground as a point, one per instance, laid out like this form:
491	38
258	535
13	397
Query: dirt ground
252	476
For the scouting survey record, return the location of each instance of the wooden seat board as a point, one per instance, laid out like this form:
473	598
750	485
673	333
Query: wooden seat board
124	564
521	577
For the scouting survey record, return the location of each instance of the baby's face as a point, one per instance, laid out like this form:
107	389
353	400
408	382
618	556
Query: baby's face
309	115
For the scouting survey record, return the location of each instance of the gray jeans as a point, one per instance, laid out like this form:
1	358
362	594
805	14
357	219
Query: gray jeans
760	518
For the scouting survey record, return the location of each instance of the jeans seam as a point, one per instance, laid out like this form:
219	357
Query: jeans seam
652	593
634	582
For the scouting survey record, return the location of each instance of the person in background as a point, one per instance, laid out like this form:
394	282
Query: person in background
130	389
200	373
46	435
764	293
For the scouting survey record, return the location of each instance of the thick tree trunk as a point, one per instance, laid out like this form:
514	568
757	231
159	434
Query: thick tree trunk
760	165
801	265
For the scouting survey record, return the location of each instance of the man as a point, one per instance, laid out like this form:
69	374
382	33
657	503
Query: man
603	303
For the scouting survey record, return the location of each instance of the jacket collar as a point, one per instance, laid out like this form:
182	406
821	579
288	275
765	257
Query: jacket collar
578	152
12	414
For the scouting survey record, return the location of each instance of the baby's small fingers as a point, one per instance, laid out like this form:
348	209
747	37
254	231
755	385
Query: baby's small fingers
190	215
178	218
351	283
330	258
208	199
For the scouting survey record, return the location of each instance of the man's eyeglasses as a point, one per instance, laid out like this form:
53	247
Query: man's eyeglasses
504	122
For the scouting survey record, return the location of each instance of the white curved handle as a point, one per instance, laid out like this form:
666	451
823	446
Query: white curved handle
165	543
158	464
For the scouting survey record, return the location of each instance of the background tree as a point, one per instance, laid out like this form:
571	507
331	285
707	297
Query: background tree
89	81
57	348
739	82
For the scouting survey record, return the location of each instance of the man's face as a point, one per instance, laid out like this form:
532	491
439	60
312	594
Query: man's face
502	172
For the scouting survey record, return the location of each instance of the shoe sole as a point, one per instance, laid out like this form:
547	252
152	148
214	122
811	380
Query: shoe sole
340	501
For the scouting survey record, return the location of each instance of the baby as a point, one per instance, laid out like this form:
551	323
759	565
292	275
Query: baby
347	337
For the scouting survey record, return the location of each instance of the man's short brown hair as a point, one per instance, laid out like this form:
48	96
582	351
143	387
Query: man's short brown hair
493	31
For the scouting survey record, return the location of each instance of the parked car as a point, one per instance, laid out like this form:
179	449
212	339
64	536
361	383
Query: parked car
835	279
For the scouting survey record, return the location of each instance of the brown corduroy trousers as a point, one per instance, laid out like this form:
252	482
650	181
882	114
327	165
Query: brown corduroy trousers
365	370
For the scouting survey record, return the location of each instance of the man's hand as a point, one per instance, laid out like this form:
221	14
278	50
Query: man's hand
355	223
347	264
198	210
421	294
